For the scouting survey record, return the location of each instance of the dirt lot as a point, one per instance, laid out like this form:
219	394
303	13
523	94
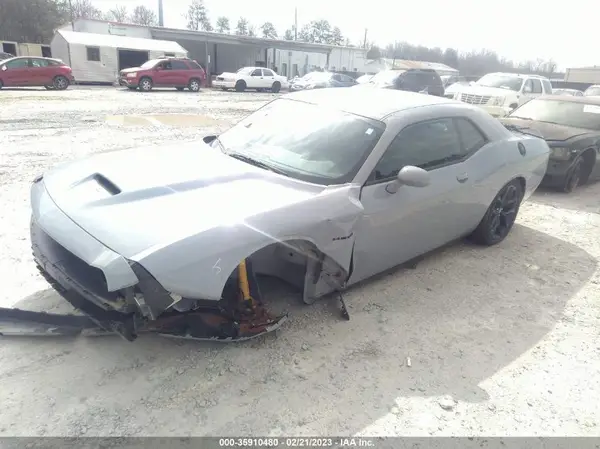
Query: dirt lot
502	341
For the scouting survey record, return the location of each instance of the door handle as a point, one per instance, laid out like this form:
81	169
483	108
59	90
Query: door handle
462	177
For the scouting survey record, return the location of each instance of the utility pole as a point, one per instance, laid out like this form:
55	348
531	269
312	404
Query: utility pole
365	41
161	22
295	24
71	14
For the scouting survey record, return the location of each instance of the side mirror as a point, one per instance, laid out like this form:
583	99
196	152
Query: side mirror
4	68
209	139
158	68
410	176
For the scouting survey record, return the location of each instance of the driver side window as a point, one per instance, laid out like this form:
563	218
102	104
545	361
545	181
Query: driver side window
528	86
257	72
428	145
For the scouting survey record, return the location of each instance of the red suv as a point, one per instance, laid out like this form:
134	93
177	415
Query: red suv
26	71
167	72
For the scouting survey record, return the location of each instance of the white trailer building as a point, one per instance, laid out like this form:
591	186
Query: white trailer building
98	58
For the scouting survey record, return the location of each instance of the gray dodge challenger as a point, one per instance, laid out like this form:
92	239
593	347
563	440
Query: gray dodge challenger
320	188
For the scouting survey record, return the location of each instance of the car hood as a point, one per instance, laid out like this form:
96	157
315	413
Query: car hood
550	131
476	89
133	200
131	70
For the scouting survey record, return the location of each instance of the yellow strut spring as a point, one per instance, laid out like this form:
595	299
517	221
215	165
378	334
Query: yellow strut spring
244	284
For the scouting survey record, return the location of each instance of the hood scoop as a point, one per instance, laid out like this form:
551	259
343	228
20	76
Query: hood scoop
98	179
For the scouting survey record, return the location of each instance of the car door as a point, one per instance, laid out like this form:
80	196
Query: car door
163	75
400	226
268	78
16	73
531	88
180	73
40	73
256	80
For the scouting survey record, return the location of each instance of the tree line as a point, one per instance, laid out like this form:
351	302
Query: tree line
34	21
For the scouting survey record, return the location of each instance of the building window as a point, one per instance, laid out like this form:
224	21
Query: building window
93	54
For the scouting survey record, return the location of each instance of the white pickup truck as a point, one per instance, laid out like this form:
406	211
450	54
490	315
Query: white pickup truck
500	93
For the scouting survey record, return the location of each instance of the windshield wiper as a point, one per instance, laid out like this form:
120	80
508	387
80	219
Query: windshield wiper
522	130
255	162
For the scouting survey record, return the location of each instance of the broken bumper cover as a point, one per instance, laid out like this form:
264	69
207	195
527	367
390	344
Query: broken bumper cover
122	296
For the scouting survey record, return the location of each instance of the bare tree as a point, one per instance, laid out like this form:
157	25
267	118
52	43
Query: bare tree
223	25
119	14
143	16
197	16
84	9
268	30
251	30
241	29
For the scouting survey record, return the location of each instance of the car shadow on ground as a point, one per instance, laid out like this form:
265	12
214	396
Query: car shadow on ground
461	315
585	198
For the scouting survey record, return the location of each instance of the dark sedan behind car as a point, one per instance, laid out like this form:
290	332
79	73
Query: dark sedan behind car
425	81
571	127
320	80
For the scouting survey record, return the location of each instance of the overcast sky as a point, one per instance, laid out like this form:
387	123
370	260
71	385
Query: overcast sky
516	29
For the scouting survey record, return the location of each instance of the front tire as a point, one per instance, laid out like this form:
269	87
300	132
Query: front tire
194	85
574	177
60	82
276	87
49	87
500	216
146	84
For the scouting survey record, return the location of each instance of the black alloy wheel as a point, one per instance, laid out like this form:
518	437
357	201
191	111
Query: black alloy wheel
500	216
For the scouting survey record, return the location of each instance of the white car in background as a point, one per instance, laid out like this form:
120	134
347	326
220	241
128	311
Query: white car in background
258	78
500	93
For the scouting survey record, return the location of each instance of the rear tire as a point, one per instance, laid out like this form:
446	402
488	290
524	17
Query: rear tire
194	85
60	82
146	84
240	86
574	177
276	87
500	216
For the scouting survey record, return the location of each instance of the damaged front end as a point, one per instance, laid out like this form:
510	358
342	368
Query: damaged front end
145	307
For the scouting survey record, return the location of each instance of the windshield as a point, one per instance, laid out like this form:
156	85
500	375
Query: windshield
386	77
594	90
323	146
150	64
561	112
501	81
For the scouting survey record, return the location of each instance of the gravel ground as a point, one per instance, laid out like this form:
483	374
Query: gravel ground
501	341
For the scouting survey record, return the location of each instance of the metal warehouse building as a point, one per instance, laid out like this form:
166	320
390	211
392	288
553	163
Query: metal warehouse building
215	51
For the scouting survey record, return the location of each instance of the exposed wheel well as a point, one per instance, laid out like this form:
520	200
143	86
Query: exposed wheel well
589	159
288	260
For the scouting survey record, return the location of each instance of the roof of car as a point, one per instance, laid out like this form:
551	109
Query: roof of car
369	102
586	100
517	75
